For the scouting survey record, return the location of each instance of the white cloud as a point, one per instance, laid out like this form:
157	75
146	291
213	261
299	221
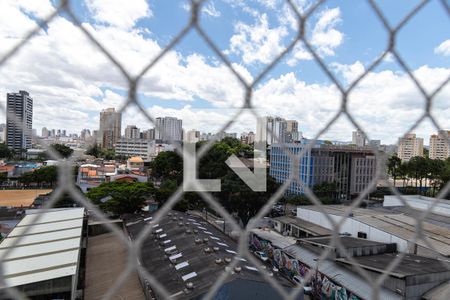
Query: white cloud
119	13
210	10
349	72
71	81
443	48
325	36
258	42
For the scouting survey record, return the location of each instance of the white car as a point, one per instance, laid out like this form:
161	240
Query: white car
262	256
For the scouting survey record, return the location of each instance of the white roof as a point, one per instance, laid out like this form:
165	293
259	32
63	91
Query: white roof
46	250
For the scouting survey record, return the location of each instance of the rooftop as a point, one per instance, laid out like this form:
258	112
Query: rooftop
44	249
191	263
411	264
346	241
309	227
340	210
341	275
404	227
101	274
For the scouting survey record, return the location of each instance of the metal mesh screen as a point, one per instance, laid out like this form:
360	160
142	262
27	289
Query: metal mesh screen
66	184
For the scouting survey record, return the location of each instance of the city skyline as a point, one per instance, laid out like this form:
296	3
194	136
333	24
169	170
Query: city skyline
386	104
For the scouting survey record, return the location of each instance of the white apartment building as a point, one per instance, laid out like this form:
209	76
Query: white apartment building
169	129
439	147
146	149
272	130
410	146
358	138
132	132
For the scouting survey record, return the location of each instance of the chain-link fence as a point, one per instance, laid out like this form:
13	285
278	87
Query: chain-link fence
66	184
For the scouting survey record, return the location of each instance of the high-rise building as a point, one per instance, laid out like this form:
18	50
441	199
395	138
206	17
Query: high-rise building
53	132
132	132
19	121
291	126
148	134
358	138
192	136
410	146
85	134
63	132
110	128
169	129
45	133
248	137
270	129
439	146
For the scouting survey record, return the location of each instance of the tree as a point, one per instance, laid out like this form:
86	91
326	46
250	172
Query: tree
394	163
63	150
3	177
121	197
325	191
5	152
94	150
42	176
167	165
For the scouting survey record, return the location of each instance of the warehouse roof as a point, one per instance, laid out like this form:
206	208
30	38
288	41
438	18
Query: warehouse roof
42	249
410	265
340	210
404	227
339	274
189	262
309	227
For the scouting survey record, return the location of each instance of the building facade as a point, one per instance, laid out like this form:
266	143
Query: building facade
110	128
272	130
146	149
358	138
350	169
439	146
169	129
19	121
410	146
132	132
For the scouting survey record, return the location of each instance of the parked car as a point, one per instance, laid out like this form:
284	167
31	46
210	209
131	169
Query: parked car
307	289
262	256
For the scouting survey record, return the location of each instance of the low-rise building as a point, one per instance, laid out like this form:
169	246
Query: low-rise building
146	149
352	169
43	256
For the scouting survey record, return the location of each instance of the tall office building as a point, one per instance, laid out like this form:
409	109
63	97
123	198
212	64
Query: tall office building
270	129
439	147
110	128
132	132
45	133
358	138
291	126
410	146
169	129
19	121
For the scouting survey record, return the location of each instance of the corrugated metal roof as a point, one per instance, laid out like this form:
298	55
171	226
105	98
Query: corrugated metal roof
342	276
48	250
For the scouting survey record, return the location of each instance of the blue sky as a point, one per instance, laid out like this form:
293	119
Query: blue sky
191	79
